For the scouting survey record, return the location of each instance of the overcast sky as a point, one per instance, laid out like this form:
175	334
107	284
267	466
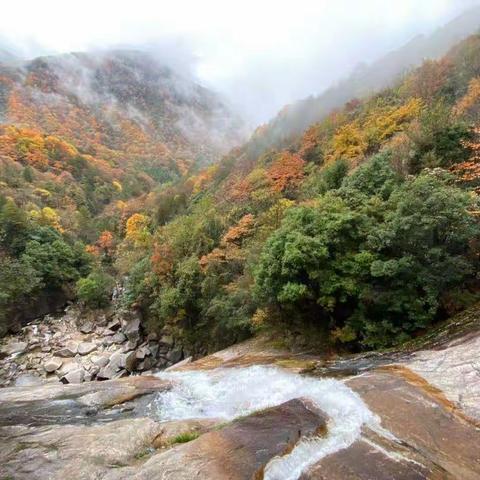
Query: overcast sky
262	54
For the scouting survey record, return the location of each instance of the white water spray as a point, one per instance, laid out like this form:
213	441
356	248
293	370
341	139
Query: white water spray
233	392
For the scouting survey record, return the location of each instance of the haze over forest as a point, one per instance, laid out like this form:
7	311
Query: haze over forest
260	55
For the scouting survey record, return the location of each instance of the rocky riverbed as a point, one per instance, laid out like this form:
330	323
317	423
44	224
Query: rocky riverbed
78	346
255	412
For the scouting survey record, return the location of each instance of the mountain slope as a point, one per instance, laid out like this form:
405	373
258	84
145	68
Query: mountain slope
84	139
359	233
365	80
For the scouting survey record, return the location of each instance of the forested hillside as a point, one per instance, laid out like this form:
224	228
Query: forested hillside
360	233
363	231
84	139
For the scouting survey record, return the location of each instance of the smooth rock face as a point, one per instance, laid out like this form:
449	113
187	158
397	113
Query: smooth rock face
455	370
38	444
423	420
241	449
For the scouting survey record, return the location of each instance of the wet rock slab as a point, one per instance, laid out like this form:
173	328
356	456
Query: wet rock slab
425	437
55	403
237	451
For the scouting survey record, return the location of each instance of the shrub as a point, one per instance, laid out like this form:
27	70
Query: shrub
95	290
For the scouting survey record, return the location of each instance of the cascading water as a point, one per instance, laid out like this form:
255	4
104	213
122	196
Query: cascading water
233	392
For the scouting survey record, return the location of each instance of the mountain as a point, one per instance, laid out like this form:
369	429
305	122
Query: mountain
360	232
84	139
119	105
366	79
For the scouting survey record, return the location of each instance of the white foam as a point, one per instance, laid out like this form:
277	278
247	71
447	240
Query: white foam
233	392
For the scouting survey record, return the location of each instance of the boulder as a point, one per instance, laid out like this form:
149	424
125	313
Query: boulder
130	345
52	364
108	372
142	352
105	332
74	376
100	360
118	338
174	355
153	347
66	368
131	328
118	360
131	361
87	327
69	350
85	348
146	364
15	347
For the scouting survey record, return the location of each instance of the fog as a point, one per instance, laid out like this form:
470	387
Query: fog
260	55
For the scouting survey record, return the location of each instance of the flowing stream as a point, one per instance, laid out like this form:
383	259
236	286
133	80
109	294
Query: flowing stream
233	392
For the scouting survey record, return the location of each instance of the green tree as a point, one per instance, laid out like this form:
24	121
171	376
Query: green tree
95	290
18	282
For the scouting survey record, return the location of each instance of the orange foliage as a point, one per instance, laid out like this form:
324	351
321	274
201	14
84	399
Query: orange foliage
427	80
469	172
239	231
229	249
105	241
286	171
470	102
162	260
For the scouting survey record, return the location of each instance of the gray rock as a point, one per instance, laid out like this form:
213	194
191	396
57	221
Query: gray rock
87	327
107	331
131	328
74	376
15	347
86	347
114	324
52	364
142	352
66	368
107	372
175	355
26	380
147	364
131	361
118	360
100	361
153	347
130	345
70	349
118	338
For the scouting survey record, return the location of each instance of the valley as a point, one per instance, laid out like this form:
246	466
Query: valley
183	296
